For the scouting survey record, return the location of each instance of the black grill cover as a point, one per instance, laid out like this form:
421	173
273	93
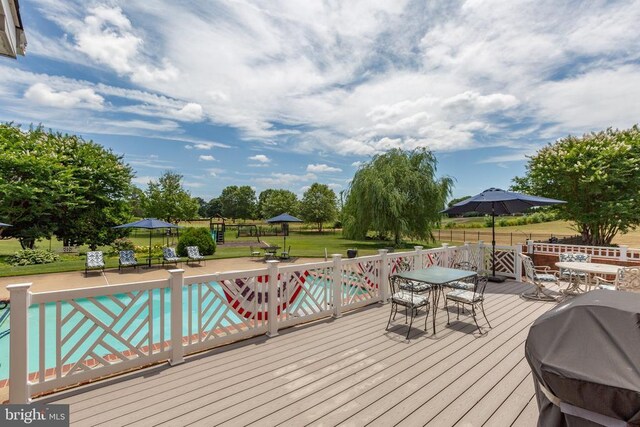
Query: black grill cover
586	352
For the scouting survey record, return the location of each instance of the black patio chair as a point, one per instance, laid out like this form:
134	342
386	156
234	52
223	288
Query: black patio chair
474	299
403	293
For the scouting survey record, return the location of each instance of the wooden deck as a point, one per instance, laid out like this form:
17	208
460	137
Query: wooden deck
346	371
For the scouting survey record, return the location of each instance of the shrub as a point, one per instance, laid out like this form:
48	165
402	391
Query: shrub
122	244
33	256
196	236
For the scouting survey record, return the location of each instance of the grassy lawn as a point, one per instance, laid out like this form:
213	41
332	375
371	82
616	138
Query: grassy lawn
303	244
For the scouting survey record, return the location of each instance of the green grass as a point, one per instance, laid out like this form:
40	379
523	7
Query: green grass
303	244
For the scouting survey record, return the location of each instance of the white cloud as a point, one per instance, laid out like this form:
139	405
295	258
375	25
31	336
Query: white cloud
260	158
143	180
190	112
357	164
322	168
42	94
206	158
284	179
106	36
353	78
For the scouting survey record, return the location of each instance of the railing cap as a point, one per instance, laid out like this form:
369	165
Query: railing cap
19	287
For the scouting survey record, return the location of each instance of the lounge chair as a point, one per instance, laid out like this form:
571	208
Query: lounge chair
193	254
169	256
127	259
95	261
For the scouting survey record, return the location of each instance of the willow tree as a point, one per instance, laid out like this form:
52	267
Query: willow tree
598	175
397	193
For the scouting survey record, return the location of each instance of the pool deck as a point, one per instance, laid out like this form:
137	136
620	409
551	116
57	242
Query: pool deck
112	276
346	371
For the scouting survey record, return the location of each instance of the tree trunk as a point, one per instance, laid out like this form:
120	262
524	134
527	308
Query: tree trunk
27	242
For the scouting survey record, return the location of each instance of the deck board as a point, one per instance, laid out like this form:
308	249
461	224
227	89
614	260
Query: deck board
347	371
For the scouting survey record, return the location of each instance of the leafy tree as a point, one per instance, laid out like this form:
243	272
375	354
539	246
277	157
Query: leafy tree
598	175
54	183
137	199
167	200
214	208
458	200
238	202
98	200
275	202
318	204
202	207
397	193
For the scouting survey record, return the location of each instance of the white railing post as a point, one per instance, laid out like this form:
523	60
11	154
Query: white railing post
518	264
467	253
445	255
176	284
417	260
272	303
483	262
20	297
529	247
384	276
337	285
623	252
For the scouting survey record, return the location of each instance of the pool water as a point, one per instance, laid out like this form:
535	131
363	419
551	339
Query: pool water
131	325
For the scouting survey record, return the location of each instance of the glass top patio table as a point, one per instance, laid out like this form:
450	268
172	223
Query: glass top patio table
437	276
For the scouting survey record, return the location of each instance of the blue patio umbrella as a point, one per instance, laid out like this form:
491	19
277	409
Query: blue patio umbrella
150	224
284	218
495	201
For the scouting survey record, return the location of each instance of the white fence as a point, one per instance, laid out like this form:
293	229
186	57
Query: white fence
619	253
84	334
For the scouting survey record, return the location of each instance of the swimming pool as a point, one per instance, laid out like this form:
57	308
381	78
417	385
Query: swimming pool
131	325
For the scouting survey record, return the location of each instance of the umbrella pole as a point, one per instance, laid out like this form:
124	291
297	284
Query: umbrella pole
493	241
150	247
493	277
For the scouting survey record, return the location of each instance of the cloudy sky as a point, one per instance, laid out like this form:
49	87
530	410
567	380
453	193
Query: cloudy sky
281	94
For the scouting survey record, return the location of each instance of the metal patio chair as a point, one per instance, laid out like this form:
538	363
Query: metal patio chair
254	252
627	279
573	277
474	299
286	254
403	294
538	276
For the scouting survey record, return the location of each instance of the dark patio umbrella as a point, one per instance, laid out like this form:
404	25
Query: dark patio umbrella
284	218
495	201
150	224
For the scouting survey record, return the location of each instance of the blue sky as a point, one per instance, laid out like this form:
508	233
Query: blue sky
282	94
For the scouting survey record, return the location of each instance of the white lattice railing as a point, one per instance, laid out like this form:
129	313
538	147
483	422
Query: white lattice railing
224	307
82	334
89	333
620	253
